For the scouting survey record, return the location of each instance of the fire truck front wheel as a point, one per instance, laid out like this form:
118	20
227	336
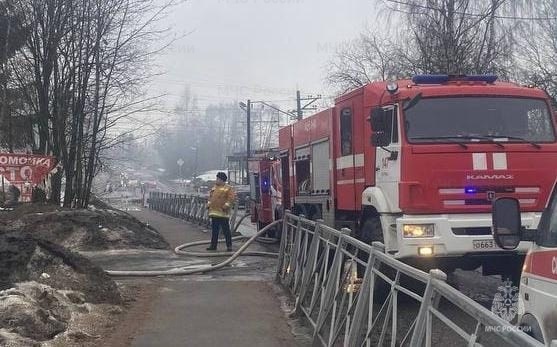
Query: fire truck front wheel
371	231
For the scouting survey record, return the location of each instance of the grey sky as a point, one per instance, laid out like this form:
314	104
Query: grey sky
262	49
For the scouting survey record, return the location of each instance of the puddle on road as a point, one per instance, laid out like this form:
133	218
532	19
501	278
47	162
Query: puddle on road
298	326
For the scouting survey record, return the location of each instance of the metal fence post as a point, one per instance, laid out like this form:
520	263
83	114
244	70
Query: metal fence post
293	266
309	266
331	289
363	308
282	249
422	328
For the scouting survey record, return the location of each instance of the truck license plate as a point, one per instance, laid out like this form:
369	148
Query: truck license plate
484	244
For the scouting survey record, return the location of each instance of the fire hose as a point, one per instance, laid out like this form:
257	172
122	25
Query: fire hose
181	271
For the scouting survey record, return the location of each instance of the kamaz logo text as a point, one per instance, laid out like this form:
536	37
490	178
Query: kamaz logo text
489	177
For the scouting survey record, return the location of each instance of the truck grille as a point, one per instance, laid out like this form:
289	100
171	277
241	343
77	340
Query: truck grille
472	231
483	196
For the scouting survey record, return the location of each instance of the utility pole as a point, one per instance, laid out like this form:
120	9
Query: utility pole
300	109
248	135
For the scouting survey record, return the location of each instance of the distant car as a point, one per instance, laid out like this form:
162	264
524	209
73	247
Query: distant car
242	195
208	176
149	185
204	189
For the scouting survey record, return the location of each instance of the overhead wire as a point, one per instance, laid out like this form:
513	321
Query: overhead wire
429	7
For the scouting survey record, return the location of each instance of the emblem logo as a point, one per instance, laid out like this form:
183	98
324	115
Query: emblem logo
505	302
554	265
489	177
490	195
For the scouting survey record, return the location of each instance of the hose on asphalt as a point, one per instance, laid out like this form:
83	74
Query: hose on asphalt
266	240
181	271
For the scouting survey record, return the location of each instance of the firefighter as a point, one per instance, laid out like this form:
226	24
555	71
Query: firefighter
221	199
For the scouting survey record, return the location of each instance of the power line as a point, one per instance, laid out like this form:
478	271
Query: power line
427	7
256	87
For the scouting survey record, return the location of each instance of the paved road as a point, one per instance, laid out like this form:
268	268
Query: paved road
238	306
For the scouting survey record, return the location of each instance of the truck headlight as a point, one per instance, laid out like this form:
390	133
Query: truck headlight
418	230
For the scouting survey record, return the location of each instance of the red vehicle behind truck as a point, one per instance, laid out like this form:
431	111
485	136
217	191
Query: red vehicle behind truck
415	164
265	190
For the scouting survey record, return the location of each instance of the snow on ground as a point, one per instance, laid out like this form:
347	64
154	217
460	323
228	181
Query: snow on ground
50	295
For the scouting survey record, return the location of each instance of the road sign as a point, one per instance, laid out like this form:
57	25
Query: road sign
180	162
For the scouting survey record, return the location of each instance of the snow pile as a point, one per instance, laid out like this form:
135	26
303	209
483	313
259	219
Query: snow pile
50	295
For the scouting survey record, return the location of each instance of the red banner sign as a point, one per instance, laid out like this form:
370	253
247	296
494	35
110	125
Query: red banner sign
21	168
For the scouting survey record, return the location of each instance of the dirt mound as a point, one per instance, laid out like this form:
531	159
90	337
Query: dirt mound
82	229
24	258
48	293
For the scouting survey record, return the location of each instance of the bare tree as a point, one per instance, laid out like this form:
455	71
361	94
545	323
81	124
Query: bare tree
536	52
82	70
455	37
203	138
368	58
433	36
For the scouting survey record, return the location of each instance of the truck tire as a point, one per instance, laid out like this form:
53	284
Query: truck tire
530	326
371	231
271	233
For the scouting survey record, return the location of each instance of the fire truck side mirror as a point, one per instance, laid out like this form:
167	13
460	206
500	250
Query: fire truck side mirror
507	225
380	121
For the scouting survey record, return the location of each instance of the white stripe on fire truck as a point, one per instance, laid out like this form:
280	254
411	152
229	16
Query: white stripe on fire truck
479	161
527	201
451	191
527	190
349	161
447	191
500	161
358	180
463	202
454	202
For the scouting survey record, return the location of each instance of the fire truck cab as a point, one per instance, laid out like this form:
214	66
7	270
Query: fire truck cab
537	303
415	164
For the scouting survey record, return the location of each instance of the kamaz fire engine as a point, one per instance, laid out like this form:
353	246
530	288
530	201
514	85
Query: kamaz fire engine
416	164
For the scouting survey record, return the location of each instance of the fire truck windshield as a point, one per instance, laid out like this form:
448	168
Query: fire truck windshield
477	119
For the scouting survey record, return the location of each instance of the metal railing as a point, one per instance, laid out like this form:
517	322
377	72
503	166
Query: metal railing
394	304
192	208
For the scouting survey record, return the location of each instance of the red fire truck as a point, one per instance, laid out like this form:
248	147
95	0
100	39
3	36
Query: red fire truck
416	163
265	190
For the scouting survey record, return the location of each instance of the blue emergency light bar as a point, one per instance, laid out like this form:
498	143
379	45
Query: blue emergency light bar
440	79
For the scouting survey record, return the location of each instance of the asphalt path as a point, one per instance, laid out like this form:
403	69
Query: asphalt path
240	305
236	306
